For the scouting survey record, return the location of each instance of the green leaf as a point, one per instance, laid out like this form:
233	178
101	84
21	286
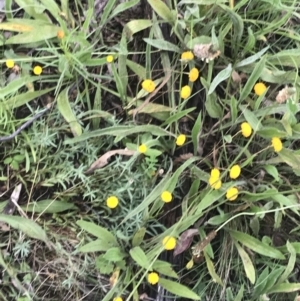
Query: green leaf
49	206
259	67
138	69
27	226
251	118
162	10
139	256
64	108
164	268
290	266
138	237
212	106
135	26
290	158
290	57
98	231
272	170
256	245
248	265
33	9
239	296
196	131
251	59
162	45
285	288
122	7
95	246
114	254
178	289
221	76
211	270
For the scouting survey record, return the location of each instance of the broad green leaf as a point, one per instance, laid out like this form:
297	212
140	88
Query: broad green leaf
196	131
289	57
139	256
219	219
248	265
138	237
122	7
162	44
211	269
138	69
52	7
178	289
272	278
269	132
162	10
272	170
239	296
97	245
114	254
212	106
259	67
49	206
164	268
251	59
221	76
250	42
27	226
64	108
285	288
98	231
33	8
256	245
177	116
261	282
135	26
251	118
290	158
290	266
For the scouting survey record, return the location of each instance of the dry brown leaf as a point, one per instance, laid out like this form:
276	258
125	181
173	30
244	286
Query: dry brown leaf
199	247
183	158
206	52
103	160
284	94
236	77
185	240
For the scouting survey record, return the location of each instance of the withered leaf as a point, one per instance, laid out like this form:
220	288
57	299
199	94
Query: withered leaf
103	160
185	240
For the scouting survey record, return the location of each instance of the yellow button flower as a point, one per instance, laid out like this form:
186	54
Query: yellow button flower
153	278
259	88
232	194
185	92
166	196
215	183
187	55
235	171
118	299
193	75
148	85
169	242
190	264
112	202
277	144
37	70
10	63
60	34
180	140
109	58
142	148
246	129
215	173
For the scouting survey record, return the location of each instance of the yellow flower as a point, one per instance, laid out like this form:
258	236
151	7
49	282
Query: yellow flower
118	299
235	171
232	193
37	70
194	74
10	63
259	88
277	144
60	34
215	173
166	196
148	85
246	129
169	242
185	92
153	278
142	148
112	202
187	55
215	183
109	58
180	139
190	264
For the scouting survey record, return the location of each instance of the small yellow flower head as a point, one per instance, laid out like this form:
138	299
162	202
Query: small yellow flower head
180	140
215	183
259	88
153	278
169	242
112	202
118	299
187	55
193	75
235	171
142	148
215	173
60	34
185	92
109	58
190	264
166	196
37	70
277	144
10	63
246	129
148	85
232	194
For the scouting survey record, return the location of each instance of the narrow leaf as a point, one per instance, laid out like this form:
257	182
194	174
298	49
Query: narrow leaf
49	206
221	76
162	10
97	245
211	270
